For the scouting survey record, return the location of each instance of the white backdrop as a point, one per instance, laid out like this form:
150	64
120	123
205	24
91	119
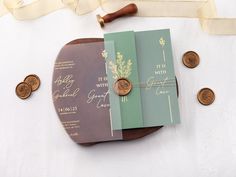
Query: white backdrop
33	142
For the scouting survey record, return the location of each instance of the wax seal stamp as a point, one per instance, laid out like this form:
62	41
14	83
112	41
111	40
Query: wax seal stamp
206	96
23	90
191	59
125	11
122	86
33	80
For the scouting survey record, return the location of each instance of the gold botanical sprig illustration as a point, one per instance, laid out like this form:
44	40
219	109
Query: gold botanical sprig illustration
104	54
120	69
163	43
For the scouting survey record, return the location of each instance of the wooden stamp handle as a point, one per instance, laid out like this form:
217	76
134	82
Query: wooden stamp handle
125	11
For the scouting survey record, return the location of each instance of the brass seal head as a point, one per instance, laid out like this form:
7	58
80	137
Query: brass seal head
100	20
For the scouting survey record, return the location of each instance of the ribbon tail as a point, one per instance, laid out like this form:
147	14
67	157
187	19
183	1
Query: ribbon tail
32	10
3	10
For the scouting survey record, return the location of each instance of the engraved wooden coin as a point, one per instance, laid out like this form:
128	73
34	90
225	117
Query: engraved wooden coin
33	80
206	96
122	87
191	59
23	90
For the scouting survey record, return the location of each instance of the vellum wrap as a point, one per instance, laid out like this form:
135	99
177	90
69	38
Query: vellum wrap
204	10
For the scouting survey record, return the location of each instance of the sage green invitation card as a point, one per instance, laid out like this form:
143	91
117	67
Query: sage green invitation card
157	78
123	64
146	60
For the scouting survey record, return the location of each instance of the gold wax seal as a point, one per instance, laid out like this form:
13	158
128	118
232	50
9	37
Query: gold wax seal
206	96
33	80
191	59
23	90
122	87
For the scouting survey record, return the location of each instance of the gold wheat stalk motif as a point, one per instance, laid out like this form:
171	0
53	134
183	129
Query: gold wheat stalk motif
120	69
163	43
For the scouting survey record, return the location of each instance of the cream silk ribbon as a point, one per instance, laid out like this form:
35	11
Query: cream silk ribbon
204	10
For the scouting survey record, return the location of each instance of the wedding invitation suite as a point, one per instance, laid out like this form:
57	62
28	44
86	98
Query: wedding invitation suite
119	88
147	58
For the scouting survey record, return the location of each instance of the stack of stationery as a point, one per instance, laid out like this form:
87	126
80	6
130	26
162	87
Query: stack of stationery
145	59
119	88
